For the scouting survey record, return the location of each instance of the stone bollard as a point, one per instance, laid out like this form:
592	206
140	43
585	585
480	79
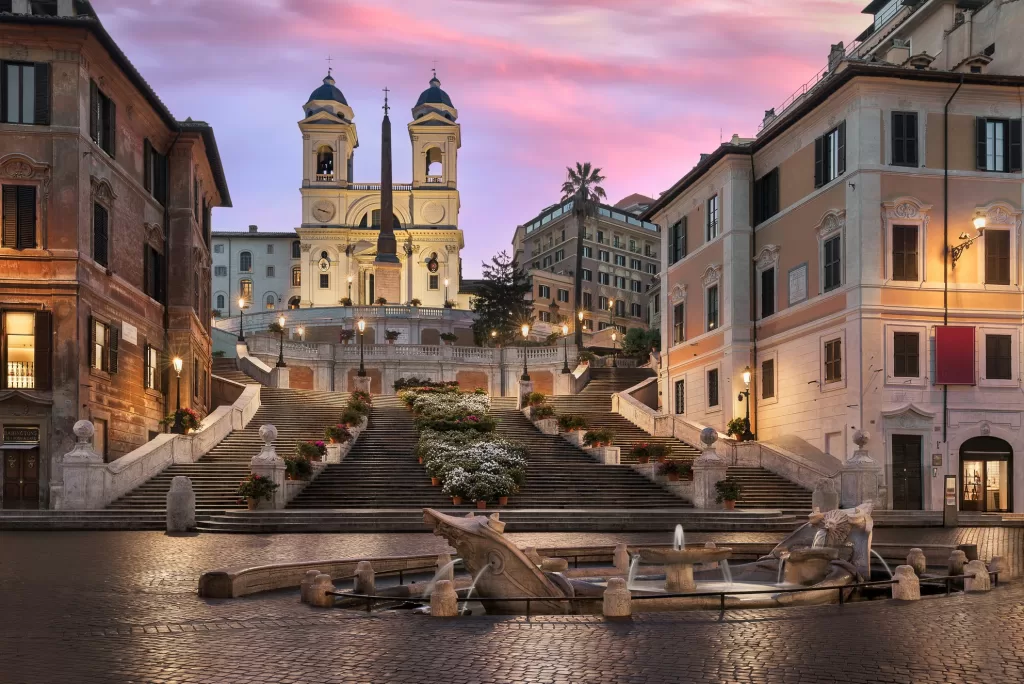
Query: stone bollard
617	599
908	586
620	558
318	595
444	602
181	505
916	559
365	584
980	580
999	565
443	560
306	583
957	561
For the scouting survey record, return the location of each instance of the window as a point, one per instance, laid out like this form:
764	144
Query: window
677	240
588	253
151	365
906	355
547	261
195	377
588	324
680	395
712	307
218	249
768	379
543	292
245	262
766	196
620	307
545	316
325	281
153	273
833	361
636	264
536	264
20	350
587	275
562	239
603	326
652	269
271	302
998	357
999	144
19	216
904	139
632	246
434	282
679	323
602	302
296	249
600	237
616	241
832	264
26	93
220	271
563	295
711	224
100	232
559	255
221	303
904	253
620	260
103	346
270	271
712	387
767	292
102	117
245	290
270	249
588	300
830	156
604	278
635	286
636	311
155	171
296	276
620	282
997	257
603	256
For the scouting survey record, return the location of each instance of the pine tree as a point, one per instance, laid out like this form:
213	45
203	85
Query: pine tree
501	304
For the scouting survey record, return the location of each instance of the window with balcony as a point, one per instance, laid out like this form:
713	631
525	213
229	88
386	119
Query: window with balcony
830	156
19	216
712	307
711	220
245	290
26	349
325	163
26	93
680	397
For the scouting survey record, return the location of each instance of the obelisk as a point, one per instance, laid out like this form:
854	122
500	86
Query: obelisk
386	267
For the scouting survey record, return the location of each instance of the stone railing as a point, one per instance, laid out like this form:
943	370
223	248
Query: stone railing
270	346
580	378
639	413
345	316
252	366
88	483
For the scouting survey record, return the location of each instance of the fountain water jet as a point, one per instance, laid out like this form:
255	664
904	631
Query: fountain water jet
726	572
469	593
884	564
441	573
634	565
679	539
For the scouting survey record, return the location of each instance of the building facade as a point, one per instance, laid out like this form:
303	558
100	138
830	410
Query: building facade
862	257
107	202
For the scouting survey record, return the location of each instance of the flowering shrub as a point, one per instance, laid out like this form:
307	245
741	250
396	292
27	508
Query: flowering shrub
597	438
411	383
675	468
189	419
297	467
256	487
640	450
311	450
571	422
360	395
338	434
359	406
541	412
351	418
391	335
449	337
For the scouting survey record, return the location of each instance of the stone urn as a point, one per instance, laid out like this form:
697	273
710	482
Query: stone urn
679	564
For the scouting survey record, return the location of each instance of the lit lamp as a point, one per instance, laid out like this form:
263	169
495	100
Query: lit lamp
956	251
178	428
302	332
280	353
241	319
615	350
350	288
565	347
494	337
362	328
745	396
526	333
445	290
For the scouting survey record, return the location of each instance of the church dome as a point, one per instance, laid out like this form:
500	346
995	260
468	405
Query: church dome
329	92
434	95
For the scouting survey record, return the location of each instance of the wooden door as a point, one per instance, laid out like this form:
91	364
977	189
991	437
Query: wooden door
21	478
906	472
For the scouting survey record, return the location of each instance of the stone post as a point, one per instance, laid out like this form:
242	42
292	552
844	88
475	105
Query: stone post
708	469
617	599
825	497
84	474
860	476
443	560
525	387
279	377
307	584
916	559
181	505
620	558
333	453
998	564
365	584
318	595
957	561
444	602
908	586
361	384
269	464
979	581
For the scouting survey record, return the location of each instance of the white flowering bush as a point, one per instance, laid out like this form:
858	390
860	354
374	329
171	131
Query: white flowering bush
450	404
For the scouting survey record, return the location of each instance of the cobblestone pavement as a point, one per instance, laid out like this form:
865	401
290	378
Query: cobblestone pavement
121	607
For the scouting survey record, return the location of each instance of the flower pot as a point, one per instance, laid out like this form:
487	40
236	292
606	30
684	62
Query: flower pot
643	460
503	501
391	341
252	504
419	459
456	500
663	459
435	482
729	505
481	504
673	477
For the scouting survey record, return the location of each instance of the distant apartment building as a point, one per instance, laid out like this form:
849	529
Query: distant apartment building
264	269
620	265
862	256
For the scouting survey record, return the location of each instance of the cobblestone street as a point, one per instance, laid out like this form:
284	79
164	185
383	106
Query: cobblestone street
121	607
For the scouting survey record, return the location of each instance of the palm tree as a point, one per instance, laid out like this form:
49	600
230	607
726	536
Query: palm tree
583	185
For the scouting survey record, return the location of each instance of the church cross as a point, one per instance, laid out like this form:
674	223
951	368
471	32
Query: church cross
329	60
386	91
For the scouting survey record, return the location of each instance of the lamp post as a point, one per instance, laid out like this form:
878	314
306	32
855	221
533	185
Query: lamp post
494	337
615	350
178	428
526	333
362	328
956	251
280	353
302	333
565	347
745	396
350	288
445	290
241	319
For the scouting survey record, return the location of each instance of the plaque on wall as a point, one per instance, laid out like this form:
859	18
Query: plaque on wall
21	435
129	333
797	284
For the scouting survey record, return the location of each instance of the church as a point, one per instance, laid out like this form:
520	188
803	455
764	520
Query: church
358	242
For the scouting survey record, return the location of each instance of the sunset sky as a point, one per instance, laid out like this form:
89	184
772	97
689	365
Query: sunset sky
638	87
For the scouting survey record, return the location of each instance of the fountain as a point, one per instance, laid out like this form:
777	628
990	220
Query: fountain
679	564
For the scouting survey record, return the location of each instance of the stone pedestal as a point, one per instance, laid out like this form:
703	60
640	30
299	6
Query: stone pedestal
268	464
617	600
307	584
279	377
318	595
908	586
333	453
444	602
957	561
998	564
708	469
575	437
604	455
916	559
443	561
825	497
979	579
84	474
620	558
548	426
679	578
361	384
387	281
181	505
525	388
860	477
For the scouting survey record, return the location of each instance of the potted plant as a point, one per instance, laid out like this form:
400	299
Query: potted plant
415	302
728	492
541	412
346	336
189	419
572	422
736	427
673	470
351	418
297	467
457	485
641	451
659	452
311	451
380	301
345	301
256	487
391	335
337	434
535	398
450	304
362	396
449	338
599	438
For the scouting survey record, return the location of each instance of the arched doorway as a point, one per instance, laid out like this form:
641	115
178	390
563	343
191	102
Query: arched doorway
986	475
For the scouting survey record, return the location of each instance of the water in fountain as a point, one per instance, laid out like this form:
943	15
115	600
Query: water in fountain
472	587
819	539
441	572
726	572
884	564
633	567
782	565
679	538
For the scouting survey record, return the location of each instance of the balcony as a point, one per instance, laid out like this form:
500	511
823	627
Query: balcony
21	375
325	178
435	179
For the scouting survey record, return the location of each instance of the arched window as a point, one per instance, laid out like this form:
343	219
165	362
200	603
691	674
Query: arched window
325	163
293	303
220	302
245	262
296	276
271	301
245	290
434	167
296	249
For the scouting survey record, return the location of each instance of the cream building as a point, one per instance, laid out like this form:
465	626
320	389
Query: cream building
838	254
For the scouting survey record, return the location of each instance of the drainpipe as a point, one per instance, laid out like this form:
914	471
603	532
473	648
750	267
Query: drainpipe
167	262
752	397
945	249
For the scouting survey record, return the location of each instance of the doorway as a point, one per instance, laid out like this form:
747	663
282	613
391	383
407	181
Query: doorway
21	477
906	472
986	475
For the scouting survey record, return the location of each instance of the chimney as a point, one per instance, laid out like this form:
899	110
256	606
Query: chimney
835	56
253	228
769	115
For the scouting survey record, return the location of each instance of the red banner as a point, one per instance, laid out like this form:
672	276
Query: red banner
954	355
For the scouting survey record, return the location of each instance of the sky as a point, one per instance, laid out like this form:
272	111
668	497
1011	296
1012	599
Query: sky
637	87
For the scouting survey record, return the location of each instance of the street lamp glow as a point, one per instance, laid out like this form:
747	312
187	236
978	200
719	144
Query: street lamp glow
615	336
350	280
241	302
580	315
746	376
362	325
565	329
446	282
301	331
979	222
177	364
525	330
494	333
280	321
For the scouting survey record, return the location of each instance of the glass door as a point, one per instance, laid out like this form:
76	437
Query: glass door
972	486
985	486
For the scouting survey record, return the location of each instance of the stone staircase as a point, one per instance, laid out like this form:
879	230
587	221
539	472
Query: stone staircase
226	368
761	488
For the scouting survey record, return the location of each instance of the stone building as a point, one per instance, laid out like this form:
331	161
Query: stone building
862	256
107	201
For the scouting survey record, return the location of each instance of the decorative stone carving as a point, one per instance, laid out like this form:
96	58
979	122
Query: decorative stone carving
833	221
678	294
906	209
986	429
305	247
83	452
20	167
825	497
712	274
768	257
154	234
102	191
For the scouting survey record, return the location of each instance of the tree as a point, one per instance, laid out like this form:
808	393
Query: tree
583	185
639	342
501	304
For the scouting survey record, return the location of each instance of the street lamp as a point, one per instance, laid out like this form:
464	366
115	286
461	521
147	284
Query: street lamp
445	290
280	354
526	333
615	351
178	428
565	347
350	288
241	319
302	332
362	328
494	337
956	251
745	396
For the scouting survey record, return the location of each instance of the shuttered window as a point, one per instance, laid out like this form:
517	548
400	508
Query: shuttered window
906	355
904	139
153	273
712	307
712	387
998	357
998	144
833	361
103	344
100	234
830	156
151	367
997	257
766	196
904	253
768	379
19	216
102	119
767	292
25	93
832	263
